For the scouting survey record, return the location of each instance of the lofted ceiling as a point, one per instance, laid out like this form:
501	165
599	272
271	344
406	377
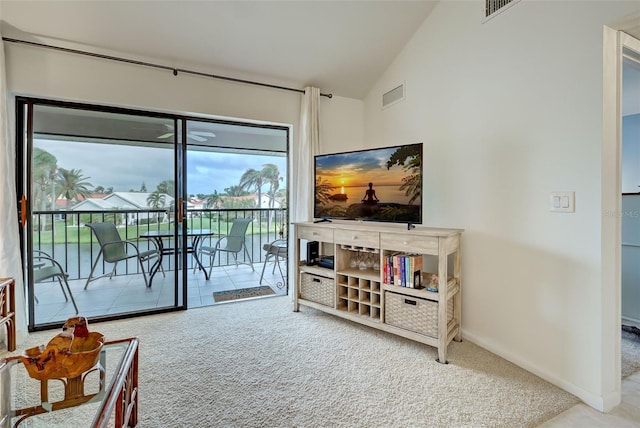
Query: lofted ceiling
341	47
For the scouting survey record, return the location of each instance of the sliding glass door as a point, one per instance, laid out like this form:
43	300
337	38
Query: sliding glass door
92	176
128	212
237	175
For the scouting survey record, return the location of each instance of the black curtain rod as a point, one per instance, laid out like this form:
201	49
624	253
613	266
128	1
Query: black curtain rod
162	67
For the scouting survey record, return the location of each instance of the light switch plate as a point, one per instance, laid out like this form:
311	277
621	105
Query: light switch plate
562	202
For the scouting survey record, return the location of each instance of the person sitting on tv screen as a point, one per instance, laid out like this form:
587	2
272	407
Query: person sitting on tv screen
370	197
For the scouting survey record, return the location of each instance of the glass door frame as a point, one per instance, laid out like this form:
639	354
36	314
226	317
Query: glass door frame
24	150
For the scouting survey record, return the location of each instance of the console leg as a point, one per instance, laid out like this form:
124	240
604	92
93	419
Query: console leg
442	355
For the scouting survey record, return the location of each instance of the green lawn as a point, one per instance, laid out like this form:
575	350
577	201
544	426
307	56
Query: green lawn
71	234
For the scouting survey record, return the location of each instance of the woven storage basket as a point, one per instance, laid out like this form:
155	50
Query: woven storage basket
317	289
413	313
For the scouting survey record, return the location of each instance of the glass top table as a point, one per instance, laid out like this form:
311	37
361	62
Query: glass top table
106	395
158	236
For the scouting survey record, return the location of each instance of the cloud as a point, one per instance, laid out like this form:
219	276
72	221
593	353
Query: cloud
127	167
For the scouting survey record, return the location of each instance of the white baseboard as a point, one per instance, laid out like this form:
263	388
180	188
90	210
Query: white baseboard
630	321
602	404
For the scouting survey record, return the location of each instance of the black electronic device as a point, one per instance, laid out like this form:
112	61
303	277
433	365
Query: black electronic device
374	184
326	262
313	252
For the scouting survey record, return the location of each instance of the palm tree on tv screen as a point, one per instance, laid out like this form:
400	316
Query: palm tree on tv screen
323	192
408	157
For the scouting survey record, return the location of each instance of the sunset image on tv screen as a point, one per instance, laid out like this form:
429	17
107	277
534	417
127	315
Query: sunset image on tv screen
379	184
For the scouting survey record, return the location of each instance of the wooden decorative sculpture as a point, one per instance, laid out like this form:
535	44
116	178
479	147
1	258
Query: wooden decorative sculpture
69	357
69	354
74	357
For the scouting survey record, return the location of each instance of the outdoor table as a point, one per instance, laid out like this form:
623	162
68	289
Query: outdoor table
158	236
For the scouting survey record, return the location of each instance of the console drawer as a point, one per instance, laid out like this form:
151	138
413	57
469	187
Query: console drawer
409	243
315	234
358	238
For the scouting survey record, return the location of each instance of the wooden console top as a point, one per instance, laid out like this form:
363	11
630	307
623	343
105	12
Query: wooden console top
381	227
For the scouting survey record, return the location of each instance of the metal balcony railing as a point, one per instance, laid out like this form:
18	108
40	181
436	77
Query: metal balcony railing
63	235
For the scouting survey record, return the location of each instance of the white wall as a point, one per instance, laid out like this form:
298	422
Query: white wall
51	74
509	111
342	126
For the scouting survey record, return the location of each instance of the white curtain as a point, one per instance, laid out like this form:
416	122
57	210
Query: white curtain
308	147
10	261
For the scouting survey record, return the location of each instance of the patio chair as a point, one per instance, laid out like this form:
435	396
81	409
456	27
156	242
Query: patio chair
47	268
233	243
275	251
114	249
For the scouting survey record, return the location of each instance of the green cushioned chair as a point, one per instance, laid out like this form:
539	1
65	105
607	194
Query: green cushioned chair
114	249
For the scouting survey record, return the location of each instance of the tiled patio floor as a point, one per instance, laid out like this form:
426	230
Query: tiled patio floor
128	293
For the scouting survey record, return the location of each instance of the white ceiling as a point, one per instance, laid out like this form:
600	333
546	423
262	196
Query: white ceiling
341	47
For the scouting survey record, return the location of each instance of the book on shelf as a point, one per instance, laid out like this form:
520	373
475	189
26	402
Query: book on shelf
403	269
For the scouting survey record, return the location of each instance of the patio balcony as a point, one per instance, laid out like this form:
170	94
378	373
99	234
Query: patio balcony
62	235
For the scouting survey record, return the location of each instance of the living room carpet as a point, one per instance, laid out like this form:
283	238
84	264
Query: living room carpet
242	293
256	363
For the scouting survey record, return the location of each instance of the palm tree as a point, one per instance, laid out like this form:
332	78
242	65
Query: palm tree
70	183
212	199
43	175
281	197
235	191
44	166
166	186
156	200
272	176
253	179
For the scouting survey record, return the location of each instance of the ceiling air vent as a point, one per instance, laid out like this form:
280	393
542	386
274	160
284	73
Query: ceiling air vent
393	96
493	7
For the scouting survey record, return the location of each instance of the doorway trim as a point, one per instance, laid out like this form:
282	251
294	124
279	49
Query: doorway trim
615	41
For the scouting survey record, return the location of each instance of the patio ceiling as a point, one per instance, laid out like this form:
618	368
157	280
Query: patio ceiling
61	123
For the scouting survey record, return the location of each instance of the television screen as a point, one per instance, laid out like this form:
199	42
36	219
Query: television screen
383	184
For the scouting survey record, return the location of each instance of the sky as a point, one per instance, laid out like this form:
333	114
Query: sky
127	167
357	169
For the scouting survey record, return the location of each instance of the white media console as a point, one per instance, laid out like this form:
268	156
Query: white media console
359	286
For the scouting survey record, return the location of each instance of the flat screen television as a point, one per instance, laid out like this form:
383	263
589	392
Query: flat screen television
382	184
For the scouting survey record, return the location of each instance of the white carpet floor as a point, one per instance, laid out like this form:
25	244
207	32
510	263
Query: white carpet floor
630	351
256	363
